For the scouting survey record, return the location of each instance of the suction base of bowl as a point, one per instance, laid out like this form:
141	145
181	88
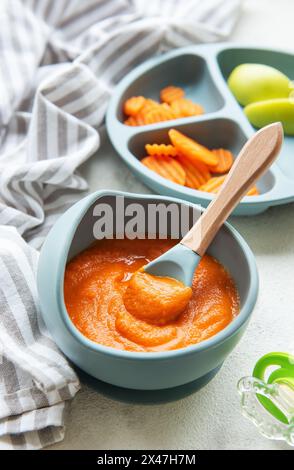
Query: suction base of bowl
146	397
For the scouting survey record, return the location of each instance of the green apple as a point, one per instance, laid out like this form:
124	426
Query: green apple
265	112
256	82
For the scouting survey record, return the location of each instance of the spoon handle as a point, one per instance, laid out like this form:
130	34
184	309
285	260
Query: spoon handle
255	157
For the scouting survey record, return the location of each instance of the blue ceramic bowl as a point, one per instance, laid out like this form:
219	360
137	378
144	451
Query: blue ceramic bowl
72	233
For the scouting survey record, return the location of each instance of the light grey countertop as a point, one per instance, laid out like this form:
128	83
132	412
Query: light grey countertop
210	418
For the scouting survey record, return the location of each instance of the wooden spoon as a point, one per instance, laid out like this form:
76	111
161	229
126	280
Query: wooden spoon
254	159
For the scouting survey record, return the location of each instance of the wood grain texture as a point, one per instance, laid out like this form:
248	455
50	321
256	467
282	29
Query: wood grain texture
255	158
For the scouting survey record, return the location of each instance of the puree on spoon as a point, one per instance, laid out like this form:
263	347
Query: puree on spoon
156	299
99	285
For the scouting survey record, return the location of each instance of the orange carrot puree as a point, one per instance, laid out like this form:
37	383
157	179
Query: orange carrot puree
96	295
155	299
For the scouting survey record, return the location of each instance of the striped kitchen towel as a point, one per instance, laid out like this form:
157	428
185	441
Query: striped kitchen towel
59	61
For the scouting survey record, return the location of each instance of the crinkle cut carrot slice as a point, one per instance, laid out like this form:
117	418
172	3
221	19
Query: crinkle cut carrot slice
167	167
149	103
139	118
185	108
158	114
197	174
133	105
225	161
191	149
161	149
253	191
171	93
213	185
131	121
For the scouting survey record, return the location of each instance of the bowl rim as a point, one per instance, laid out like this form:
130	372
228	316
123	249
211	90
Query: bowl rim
229	331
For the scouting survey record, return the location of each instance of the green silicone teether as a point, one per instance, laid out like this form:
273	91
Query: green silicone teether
284	374
267	398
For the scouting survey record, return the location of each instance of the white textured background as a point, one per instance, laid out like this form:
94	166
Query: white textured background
211	418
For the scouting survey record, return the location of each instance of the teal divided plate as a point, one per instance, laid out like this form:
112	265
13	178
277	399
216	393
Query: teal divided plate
202	71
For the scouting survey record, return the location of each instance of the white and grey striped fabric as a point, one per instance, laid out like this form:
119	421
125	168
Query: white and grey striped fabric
59	61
